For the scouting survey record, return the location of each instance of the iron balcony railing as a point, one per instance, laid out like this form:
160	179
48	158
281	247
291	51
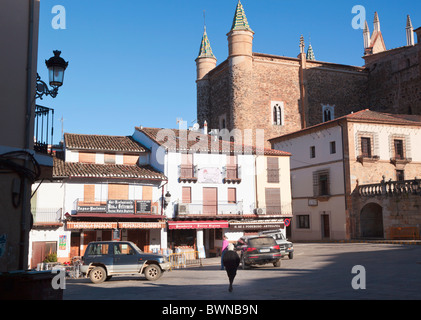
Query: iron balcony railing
44	129
47	215
197	208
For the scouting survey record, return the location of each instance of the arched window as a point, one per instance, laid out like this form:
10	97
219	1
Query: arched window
278	113
328	112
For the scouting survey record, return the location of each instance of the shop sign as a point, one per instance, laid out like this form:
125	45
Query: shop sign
256	225
91	225
197	224
141	225
120	206
143	206
91	208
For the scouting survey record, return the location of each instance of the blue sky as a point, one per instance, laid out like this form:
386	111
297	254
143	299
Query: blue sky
131	62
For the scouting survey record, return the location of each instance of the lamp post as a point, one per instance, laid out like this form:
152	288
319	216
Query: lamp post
56	67
167	199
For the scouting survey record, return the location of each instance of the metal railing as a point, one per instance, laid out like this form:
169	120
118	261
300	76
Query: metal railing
196	208
44	215
43	129
185	259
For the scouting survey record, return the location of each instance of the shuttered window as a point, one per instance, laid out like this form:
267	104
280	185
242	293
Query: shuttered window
272	170
109	158
231	168
273	200
89	193
147	193
186	195
87	157
118	191
186	166
398	145
232	195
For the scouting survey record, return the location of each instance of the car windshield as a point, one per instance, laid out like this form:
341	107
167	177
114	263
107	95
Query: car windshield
261	242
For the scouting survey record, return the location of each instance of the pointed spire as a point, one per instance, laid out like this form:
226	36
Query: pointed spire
366	35
310	53
409	32
205	50
302	45
376	22
240	20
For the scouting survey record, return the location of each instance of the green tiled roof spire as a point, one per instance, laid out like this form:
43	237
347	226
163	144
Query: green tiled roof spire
310	53
240	19
205	50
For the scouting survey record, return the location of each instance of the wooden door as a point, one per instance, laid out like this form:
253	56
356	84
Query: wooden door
210	201
325	226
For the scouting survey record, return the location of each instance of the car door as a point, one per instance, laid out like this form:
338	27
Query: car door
126	259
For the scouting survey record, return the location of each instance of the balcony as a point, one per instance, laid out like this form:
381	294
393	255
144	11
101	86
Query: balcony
187	173
390	188
47	216
44	129
220	209
232	174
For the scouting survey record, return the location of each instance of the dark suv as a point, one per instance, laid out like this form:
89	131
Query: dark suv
103	259
258	250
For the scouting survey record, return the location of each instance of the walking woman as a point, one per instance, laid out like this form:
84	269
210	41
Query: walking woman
231	261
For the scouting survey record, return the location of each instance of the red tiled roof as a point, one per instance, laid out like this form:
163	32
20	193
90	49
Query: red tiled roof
192	141
64	169
102	143
366	115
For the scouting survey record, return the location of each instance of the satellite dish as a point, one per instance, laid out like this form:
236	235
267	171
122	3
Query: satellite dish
196	127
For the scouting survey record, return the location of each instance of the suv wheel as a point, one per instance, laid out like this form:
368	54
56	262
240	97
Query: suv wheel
277	263
152	272
98	275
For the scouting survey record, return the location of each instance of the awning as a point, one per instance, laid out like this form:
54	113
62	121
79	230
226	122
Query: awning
197	224
115	225
91	225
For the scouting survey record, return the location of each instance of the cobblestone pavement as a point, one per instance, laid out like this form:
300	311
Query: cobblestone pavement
318	271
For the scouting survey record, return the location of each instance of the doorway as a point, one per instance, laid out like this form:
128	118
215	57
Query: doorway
371	221
325	226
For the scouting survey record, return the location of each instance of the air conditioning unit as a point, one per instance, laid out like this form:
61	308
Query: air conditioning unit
183	208
260	210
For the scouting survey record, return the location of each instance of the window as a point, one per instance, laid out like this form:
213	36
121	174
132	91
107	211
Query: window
366	147
109	158
400	175
123	249
303	221
186	165
89	193
118	191
321	183
332	147
273	200
272	170
277	113
232	195
312	152
186	195
98	249
231	168
328	112
398	146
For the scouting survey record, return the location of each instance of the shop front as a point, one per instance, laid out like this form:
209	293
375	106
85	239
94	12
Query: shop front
146	235
201	236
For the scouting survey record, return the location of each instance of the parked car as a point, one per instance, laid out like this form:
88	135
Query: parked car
286	246
103	259
258	250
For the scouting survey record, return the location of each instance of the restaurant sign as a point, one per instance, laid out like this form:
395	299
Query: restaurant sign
257	225
197	224
118	206
91	225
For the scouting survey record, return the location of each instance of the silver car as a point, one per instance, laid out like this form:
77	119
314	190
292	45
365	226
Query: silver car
286	246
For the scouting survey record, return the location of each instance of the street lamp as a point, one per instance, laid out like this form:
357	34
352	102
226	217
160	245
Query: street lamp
56	67
167	199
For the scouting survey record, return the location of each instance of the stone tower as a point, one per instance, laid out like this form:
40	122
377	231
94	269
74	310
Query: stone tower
240	69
